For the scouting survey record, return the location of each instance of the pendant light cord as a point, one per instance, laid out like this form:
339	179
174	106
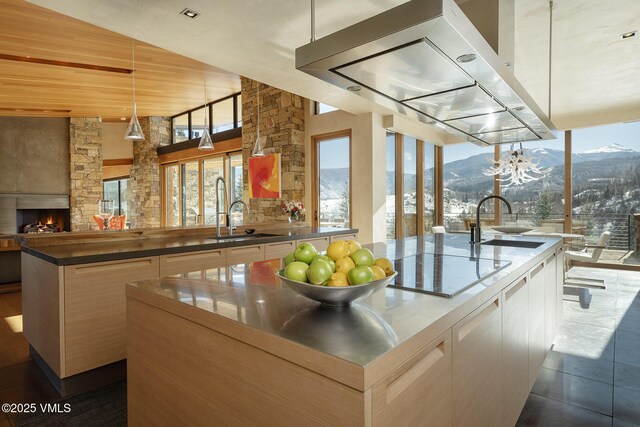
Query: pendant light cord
204	69
550	46
133	66
258	129
313	20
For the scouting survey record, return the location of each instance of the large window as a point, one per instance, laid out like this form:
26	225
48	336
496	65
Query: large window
409	187
221	115
391	185
428	165
189	189
116	190
606	182
321	108
332	201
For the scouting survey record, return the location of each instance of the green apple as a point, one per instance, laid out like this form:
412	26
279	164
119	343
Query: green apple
319	272
289	259
360	275
328	260
363	256
305	252
297	271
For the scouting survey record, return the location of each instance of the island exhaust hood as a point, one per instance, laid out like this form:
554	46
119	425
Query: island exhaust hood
426	60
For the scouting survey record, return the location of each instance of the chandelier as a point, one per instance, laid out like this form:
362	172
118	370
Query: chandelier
516	168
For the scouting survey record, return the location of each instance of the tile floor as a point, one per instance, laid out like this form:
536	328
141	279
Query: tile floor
592	375
590	378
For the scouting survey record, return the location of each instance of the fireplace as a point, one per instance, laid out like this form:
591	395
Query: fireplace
42	220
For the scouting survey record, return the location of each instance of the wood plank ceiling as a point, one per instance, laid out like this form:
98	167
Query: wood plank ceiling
55	66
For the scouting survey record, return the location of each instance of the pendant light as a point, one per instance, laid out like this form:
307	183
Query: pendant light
134	131
205	141
257	147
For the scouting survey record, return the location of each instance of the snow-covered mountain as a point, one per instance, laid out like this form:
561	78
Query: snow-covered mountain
612	148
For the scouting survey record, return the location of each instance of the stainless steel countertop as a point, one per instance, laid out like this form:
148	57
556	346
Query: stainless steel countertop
251	295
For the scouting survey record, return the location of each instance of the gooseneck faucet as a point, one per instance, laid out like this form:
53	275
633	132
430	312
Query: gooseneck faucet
478	234
229	221
224	197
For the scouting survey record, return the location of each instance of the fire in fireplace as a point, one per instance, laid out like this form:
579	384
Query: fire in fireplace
42	220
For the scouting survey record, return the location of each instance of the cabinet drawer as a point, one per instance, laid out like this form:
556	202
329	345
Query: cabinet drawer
245	254
419	391
320	243
192	261
279	249
94	310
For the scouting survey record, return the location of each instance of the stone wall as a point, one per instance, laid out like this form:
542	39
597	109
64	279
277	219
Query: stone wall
143	192
85	167
282	123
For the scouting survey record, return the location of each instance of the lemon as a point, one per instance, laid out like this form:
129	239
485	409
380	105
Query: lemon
338	249
344	264
386	265
353	246
378	272
338	279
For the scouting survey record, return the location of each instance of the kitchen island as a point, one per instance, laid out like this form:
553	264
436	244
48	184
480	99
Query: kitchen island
232	346
73	292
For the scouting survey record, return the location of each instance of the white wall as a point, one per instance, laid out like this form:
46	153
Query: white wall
368	162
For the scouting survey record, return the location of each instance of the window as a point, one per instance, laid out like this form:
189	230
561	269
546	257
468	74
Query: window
222	114
409	187
332	201
465	184
428	165
391	185
116	190
606	182
189	195
321	108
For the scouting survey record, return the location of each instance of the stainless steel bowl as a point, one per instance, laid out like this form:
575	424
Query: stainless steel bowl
338	296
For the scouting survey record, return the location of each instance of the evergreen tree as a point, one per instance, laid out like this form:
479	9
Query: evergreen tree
343	204
543	208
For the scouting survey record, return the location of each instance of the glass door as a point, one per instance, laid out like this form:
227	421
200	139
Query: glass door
332	200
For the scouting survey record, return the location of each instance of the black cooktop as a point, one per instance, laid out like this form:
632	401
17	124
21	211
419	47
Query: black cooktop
443	275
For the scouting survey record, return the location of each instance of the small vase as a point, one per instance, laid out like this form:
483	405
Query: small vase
294	217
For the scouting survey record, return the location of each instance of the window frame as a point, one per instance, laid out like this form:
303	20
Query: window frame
209	114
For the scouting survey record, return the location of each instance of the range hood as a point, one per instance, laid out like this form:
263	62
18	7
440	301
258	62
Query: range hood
426	60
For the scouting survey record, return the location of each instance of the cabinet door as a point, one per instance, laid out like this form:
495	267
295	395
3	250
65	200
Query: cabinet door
320	243
279	249
94	310
245	254
537	345
192	261
515	350
551	298
477	367
419	391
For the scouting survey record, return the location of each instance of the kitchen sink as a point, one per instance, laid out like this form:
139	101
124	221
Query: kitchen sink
237	237
513	243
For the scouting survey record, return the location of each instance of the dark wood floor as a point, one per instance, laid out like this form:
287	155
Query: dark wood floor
21	381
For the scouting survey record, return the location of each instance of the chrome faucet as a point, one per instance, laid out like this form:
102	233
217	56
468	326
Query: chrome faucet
224	197
229	221
478	234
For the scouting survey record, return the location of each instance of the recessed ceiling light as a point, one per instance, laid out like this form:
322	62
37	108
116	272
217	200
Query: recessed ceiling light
123	118
189	12
628	34
354	88
468	57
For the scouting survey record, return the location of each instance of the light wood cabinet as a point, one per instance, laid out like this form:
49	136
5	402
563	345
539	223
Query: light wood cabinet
192	261
245	254
279	249
419	391
320	243
537	345
515	350
551	300
94	311
477	367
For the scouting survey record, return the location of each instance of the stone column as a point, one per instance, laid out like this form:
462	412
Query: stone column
282	123
143	193
85	149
